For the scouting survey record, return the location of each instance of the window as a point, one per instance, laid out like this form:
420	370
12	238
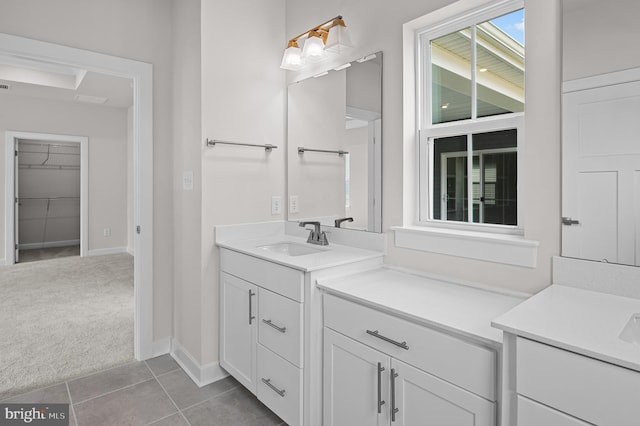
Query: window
471	102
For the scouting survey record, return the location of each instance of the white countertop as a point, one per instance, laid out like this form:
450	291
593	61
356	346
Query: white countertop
328	256
452	307
581	321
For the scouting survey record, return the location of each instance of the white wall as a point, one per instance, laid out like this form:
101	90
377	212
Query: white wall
600	37
377	25
243	100
107	132
139	30
187	152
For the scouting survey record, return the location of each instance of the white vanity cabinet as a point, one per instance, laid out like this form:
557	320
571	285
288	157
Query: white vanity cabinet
383	370
271	330
261	330
574	389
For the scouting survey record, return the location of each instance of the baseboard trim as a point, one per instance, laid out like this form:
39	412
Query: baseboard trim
102	252
50	244
161	347
130	251
201	375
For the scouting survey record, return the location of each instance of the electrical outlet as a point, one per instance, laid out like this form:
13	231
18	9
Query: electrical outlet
106	232
294	205
276	204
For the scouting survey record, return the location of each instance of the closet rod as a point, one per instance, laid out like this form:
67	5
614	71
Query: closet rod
55	145
49	153
301	150
48	198
213	142
48	166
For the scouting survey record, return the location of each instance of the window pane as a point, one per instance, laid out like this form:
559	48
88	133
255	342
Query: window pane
500	65
451	77
495	170
450	189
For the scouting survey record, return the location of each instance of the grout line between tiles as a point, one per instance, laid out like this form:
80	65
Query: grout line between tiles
169	396
113	391
209	399
71	403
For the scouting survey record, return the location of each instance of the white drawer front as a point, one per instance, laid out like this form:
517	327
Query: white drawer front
464	364
530	413
280	279
592	390
280	386
280	325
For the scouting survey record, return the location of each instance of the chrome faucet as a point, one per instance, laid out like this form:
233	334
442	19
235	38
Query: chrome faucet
338	222
316	236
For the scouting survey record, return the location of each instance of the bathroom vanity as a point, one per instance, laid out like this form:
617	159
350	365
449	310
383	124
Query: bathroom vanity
271	314
572	355
407	349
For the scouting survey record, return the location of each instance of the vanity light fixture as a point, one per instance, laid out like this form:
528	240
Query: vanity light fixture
330	36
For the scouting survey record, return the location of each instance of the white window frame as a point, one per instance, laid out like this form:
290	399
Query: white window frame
486	242
428	132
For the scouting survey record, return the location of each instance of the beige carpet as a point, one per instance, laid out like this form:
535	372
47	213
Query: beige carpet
63	318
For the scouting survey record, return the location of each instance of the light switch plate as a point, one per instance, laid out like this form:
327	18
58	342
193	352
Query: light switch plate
294	205
187	180
276	204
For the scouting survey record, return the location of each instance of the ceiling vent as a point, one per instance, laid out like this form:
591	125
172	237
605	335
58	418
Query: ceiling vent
4	86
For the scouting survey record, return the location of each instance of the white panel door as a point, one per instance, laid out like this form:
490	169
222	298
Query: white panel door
352	376
601	156
238	338
423	399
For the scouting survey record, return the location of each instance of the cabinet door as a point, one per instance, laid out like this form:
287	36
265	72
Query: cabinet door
238	325
423	399
351	382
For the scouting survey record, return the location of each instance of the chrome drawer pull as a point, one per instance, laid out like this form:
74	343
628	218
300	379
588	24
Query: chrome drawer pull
380	401
375	333
273	388
270	324
394	409
251	316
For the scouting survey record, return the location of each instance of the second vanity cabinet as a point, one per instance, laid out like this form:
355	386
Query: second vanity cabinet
380	370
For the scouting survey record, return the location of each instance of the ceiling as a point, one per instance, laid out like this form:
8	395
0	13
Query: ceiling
26	77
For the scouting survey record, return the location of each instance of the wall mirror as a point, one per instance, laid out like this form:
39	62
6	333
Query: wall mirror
335	146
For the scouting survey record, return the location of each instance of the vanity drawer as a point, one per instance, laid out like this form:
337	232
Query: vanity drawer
464	364
592	390
280	279
283	392
530	413
280	325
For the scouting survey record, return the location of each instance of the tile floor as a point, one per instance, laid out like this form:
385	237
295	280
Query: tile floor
154	392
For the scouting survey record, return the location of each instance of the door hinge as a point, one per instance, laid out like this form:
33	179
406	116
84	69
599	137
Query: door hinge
568	221
16	247
138	229
16	152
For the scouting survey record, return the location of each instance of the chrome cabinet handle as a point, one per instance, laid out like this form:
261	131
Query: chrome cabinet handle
375	333
380	401
273	388
394	410
251	316
271	324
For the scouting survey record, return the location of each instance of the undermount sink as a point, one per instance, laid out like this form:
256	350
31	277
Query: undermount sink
291	249
631	331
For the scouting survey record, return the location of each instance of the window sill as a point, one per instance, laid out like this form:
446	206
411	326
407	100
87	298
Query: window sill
499	248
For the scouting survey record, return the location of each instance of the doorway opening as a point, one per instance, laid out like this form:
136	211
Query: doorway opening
50	184
45	54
